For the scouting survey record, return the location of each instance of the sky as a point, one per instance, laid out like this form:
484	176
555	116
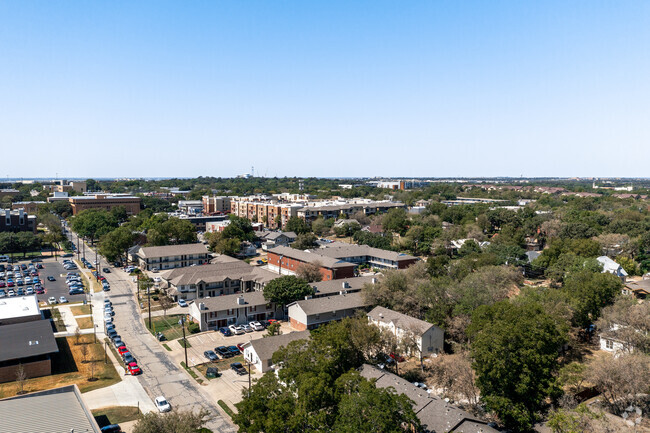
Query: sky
324	88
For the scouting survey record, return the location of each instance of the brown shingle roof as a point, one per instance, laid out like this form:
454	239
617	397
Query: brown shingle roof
401	321
266	347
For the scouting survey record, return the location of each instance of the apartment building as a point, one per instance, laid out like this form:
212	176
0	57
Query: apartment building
364	254
216	205
103	201
214	313
314	210
313	312
265	212
17	221
428	337
260	352
224	276
170	256
287	260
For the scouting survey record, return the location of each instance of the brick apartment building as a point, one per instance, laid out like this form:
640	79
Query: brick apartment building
17	221
102	201
287	260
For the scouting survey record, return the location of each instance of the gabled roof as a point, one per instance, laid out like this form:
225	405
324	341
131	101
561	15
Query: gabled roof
22	340
434	413
331	303
55	410
611	266
642	286
340	251
267	346
335	286
309	257
401	321
229	302
230	268
173	250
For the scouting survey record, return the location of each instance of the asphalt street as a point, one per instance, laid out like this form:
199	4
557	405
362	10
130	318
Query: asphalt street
161	376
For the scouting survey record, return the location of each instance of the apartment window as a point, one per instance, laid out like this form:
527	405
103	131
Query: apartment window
230	312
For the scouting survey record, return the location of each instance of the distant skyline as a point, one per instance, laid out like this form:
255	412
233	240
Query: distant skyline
324	89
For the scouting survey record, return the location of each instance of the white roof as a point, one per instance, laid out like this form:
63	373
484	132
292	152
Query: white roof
18	306
611	266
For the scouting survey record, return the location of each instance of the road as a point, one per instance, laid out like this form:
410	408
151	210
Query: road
161	376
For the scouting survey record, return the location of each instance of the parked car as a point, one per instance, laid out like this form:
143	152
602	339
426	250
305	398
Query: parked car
106	270
162	404
51	300
122	350
113	428
238	368
128	358
51	278
397	357
236	329
234	350
225	331
223	351
133	368
182	303
257	326
211	355
246	327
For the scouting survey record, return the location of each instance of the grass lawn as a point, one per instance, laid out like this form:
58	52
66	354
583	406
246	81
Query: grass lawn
203	368
169	326
80	310
221	364
116	415
84	322
55	314
68	368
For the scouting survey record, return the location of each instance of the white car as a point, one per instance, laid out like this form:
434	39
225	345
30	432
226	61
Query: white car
51	300
63	300
162	404
236	329
256	326
247	328
182	303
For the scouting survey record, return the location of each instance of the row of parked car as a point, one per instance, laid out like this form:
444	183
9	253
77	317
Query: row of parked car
246	327
225	353
19	279
75	283
130	363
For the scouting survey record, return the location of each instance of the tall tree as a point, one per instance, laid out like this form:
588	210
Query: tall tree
286	289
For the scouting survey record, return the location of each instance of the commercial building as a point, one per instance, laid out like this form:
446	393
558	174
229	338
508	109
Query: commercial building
55	410
27	206
29	344
190	207
8	192
428	337
17	221
65	186
287	261
19	309
131	204
201	222
224	276
58	196
436	415
260	352
313	312
220	311
170	256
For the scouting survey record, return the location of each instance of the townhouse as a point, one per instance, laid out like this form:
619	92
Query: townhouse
216	312
312	312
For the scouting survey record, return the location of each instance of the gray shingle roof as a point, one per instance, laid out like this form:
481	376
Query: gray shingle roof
310	256
227	302
173	250
341	251
232	269
266	347
335	286
22	340
400	320
332	303
434	413
59	410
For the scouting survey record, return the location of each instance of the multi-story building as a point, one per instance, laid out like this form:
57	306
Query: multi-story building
27	206
345	210
17	221
220	311
313	312
216	205
19	309
171	256
64	186
265	212
428	337
8	192
287	261
103	201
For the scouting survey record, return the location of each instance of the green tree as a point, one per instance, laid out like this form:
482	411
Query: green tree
515	350
116	244
286	289
93	223
395	221
589	293
296	225
305	241
176	421
239	228
309	272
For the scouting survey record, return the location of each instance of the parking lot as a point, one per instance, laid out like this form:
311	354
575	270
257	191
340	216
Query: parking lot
56	288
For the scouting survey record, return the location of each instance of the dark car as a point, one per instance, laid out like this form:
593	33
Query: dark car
113	428
223	351
225	331
112	333
238	368
160	336
211	355
128	358
51	278
106	270
234	350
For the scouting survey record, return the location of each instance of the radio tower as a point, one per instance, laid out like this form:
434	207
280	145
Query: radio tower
252	171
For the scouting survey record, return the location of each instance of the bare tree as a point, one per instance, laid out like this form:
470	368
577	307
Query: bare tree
621	380
455	375
84	351
21	378
166	303
410	343
77	335
92	371
309	272
627	322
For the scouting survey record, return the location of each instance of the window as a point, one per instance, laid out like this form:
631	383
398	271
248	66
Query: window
609	344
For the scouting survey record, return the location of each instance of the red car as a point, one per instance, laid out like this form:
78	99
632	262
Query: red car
240	346
272	321
133	368
122	350
397	357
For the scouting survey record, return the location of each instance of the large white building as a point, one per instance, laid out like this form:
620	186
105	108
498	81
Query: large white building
428	337
171	256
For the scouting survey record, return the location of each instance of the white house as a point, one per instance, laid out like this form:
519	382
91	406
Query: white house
429	338
260	351
610	343
612	267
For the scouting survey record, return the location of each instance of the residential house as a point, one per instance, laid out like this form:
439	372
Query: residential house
312	312
273	239
610	340
224	276
214	313
436	414
171	256
612	267
640	289
260	352
428	337
54	410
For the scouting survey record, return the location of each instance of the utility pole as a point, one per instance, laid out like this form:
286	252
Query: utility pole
149	304
184	340
249	378
105	353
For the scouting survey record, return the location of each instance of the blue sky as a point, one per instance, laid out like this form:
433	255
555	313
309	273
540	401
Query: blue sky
324	88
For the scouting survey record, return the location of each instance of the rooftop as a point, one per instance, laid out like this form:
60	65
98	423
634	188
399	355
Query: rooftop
341	250
173	250
23	340
266	347
328	304
400	320
309	256
219	270
55	410
18	306
229	302
335	286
